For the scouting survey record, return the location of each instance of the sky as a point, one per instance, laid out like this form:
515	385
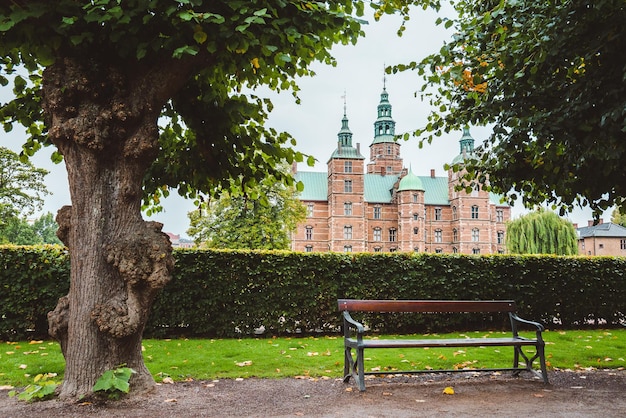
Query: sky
355	82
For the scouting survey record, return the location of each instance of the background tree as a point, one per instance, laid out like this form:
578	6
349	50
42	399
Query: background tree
541	232
236	221
17	230
617	217
549	78
22	189
111	70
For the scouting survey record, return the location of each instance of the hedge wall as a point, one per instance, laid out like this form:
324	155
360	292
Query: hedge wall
228	293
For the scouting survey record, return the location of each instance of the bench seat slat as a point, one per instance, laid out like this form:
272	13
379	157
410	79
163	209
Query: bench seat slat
426	306
457	342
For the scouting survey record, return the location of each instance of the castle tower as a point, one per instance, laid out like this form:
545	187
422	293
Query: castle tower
472	226
346	210
385	156
410	197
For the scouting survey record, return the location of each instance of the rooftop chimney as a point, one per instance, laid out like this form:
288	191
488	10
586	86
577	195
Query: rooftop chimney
432	173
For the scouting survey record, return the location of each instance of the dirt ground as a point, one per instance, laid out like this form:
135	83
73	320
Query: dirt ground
588	393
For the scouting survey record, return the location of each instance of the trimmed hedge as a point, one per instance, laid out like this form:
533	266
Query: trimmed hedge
229	293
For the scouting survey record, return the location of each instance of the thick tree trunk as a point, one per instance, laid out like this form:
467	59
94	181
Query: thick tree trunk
104	123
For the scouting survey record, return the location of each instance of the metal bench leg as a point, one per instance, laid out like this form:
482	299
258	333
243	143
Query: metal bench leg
361	368
542	361
348	364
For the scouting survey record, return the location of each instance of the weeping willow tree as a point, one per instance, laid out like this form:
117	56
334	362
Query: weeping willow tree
541	232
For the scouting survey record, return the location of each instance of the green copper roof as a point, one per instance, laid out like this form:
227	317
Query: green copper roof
378	188
466	144
315	185
347	152
410	182
384	126
344	141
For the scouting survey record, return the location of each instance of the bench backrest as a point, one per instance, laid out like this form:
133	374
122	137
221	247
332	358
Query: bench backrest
439	306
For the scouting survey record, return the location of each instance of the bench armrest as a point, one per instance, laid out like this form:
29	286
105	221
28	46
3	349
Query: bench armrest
516	319
348	323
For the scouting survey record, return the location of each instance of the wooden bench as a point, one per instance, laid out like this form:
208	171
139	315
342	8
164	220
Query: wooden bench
356	368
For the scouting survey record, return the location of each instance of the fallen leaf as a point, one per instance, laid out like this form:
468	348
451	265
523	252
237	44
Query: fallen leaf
420	400
6	387
387	394
209	385
310	354
84	404
239	379
170	400
537	395
348	389
244	363
35	342
168	380
23	366
449	390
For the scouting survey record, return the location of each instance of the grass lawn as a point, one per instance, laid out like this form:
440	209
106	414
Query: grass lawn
203	359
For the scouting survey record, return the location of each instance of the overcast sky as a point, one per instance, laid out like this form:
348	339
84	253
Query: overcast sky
317	120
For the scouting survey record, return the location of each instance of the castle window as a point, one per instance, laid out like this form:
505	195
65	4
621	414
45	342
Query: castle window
308	249
347	186
309	209
415	217
500	237
378	234
392	235
389	150
347	166
474	212
438	250
416	230
377	249
455	235
393	249
438	235
499	215
454	214
347	232
377	210
437	214
415	198
622	244
455	250
309	233
475	235
347	248
475	250
347	208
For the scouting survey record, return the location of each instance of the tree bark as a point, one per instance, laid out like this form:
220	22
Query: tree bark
103	120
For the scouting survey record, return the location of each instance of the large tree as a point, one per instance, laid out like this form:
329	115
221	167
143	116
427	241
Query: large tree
541	232
548	76
241	220
112	69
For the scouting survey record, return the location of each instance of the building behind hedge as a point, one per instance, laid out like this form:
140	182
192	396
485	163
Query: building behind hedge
383	206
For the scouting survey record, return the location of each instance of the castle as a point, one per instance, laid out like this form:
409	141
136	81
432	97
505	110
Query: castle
382	206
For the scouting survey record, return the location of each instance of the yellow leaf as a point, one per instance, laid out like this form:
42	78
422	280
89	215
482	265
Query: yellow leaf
448	390
255	63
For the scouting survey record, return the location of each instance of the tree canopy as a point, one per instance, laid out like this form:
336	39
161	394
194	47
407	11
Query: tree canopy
541	232
549	78
236	221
